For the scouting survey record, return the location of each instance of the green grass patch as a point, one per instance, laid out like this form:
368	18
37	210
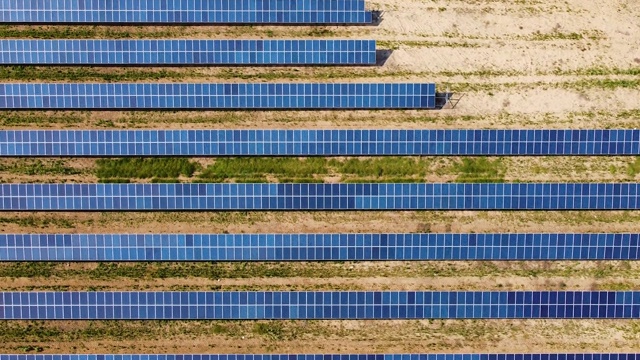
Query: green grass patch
609	84
323	270
85	32
272	330
310	170
479	170
383	180
383	167
38	222
114	181
306	180
32	73
634	168
39	119
243	168
600	71
39	167
164	181
145	168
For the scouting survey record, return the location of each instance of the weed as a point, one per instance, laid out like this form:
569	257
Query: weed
31	73
634	168
273	330
383	167
36	222
479	170
248	168
145	168
39	167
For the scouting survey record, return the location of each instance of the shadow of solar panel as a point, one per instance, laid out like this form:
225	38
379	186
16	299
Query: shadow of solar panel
317	142
564	356
186	12
320	305
240	197
217	96
187	52
316	247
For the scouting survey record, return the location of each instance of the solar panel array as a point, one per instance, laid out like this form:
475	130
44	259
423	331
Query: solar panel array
314	247
317	142
187	52
320	305
217	96
322	357
186	11
167	197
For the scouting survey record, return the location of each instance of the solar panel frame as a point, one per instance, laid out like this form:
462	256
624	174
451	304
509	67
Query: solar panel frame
315	197
359	142
318	247
182	52
272	12
320	305
192	96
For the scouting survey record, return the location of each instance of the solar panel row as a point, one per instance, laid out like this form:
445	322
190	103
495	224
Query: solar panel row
187	52
322	357
167	197
320	305
317	142
305	247
186	11
217	96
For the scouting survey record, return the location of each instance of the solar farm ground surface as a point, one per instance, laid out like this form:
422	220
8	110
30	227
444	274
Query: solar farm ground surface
524	64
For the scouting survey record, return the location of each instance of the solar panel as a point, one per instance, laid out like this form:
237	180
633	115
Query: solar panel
320	305
316	247
187	52
528	356
449	196
316	142
217	96
186	12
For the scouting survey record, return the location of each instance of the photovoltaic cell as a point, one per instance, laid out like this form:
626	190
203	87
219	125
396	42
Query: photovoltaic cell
186	11
320	305
448	196
590	356
316	142
316	247
218	96
187	52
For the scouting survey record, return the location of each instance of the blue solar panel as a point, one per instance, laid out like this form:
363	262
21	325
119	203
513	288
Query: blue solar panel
192	11
589	356
168	197
314	247
217	96
187	52
316	142
320	305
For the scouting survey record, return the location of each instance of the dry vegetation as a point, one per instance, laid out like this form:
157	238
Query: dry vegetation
521	64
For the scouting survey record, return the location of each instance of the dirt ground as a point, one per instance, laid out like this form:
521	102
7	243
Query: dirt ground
516	64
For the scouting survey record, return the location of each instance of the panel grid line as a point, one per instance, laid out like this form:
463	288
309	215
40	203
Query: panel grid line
317	247
187	52
186	12
317	142
447	196
320	305
312	96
